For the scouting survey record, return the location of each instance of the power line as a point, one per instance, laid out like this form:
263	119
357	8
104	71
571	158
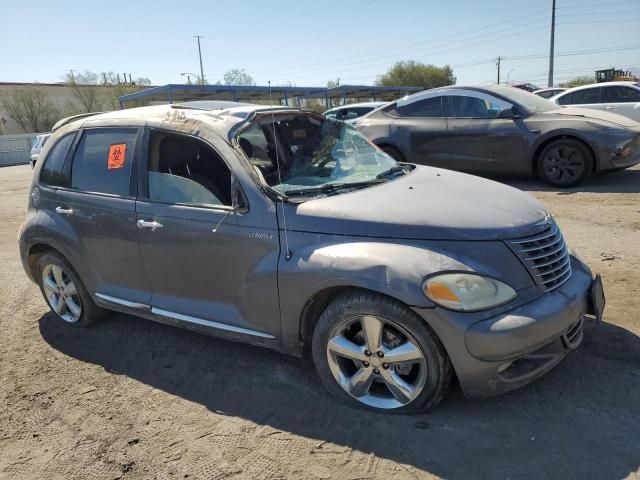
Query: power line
404	47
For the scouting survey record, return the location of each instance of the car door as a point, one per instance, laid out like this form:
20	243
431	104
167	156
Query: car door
624	100
584	98
210	261
96	212
479	138
419	129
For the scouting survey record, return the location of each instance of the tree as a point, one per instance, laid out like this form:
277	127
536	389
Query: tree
238	76
576	82
30	108
416	74
86	90
94	92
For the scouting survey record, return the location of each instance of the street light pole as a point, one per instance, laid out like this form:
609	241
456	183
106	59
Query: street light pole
189	75
198	37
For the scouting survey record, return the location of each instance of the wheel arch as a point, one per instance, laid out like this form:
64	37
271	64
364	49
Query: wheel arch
562	136
318	303
35	252
385	143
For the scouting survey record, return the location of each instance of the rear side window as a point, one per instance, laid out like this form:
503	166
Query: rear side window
51	173
565	99
428	107
621	95
585	97
103	159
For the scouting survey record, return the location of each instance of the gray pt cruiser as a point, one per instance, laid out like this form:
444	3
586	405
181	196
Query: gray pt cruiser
284	229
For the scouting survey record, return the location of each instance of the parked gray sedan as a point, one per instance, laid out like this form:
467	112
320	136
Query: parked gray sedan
505	131
288	230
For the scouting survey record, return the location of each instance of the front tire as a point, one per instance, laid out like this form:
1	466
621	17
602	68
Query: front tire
373	352
65	293
565	163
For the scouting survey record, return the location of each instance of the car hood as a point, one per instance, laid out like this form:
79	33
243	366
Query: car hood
428	203
590	113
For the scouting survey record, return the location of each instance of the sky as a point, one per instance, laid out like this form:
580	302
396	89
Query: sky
308	43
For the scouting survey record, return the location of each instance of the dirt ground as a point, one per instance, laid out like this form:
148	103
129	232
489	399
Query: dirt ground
134	399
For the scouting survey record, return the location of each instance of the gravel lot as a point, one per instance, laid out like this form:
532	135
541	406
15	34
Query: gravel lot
134	399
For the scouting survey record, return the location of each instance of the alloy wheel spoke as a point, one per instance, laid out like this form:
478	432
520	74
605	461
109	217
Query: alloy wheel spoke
405	353
372	328
360	382
50	283
58	305
346	348
70	289
57	275
401	390
73	307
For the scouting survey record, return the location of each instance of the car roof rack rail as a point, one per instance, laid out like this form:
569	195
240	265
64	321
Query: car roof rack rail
72	118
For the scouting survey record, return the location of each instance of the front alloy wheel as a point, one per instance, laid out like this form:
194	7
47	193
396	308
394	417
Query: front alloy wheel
374	352
376	361
565	163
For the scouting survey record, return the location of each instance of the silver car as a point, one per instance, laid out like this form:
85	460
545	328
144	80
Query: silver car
352	112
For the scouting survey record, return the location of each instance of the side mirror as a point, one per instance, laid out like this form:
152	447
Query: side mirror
508	113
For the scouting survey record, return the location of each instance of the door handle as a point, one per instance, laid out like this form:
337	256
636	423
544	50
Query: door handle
64	211
149	224
610	108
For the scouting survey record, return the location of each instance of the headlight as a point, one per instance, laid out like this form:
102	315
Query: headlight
467	292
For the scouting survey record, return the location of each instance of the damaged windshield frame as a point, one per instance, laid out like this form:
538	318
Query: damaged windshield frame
324	146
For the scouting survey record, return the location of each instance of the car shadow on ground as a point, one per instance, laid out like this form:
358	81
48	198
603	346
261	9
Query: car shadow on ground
582	420
622	181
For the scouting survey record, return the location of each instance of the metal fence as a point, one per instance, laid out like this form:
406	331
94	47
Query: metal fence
15	149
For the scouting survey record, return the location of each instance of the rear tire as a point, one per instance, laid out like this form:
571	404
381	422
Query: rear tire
565	163
364	368
65	293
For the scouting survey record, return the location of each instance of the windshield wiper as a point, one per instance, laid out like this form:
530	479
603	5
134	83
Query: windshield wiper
392	171
332	188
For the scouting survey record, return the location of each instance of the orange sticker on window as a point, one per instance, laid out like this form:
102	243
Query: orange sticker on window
116	155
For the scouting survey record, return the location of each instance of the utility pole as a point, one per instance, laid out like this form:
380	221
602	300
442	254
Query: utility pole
553	31
198	37
498	64
73	79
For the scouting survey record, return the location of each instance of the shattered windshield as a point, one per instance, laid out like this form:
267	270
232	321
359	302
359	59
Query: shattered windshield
315	156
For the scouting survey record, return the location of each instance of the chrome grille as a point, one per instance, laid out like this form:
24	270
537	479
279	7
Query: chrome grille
546	256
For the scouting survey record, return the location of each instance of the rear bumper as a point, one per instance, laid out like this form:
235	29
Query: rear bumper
507	351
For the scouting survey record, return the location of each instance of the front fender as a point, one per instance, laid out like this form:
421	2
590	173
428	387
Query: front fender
564	132
392	267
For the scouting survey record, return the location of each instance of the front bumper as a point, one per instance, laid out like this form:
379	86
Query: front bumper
502	353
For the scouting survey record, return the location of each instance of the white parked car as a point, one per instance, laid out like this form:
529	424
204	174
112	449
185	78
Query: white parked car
549	92
36	148
622	98
352	112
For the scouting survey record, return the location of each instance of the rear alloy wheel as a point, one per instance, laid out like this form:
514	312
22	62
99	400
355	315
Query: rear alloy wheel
65	293
565	163
61	293
374	352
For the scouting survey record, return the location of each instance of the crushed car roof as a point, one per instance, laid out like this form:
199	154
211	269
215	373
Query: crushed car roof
221	115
